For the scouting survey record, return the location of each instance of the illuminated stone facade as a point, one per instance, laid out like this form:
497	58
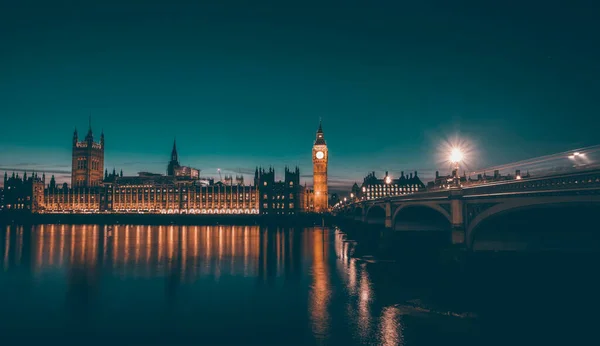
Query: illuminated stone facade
280	197
181	191
373	187
88	160
320	157
169	196
22	193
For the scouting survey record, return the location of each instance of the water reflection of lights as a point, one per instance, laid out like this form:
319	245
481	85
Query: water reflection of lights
320	290
139	250
364	300
6	247
390	329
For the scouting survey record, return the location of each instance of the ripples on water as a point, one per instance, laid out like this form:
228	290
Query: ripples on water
209	285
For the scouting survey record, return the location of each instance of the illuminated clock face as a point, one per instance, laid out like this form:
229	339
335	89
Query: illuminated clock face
320	155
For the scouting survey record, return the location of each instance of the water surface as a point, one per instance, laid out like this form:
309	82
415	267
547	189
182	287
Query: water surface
82	284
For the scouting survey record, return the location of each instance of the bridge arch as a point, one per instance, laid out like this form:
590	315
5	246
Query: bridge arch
421	216
375	215
358	213
515	207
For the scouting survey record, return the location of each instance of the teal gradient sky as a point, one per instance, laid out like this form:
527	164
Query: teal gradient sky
244	83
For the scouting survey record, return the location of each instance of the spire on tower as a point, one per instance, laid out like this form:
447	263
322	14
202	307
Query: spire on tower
174	156
90	136
320	138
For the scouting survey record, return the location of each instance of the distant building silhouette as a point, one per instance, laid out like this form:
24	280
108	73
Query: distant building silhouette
280	197
373	187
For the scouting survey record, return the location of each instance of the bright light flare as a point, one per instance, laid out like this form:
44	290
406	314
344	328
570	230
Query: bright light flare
388	180
456	150
456	155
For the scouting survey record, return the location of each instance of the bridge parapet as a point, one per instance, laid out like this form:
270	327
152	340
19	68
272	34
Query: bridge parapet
580	181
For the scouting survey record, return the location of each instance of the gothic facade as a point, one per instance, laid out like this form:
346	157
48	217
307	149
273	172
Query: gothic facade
181	191
87	160
320	157
285	197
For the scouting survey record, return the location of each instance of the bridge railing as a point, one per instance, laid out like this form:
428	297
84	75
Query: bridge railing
589	179
578	180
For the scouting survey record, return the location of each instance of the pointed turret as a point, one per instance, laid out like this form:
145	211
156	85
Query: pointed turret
320	137
174	156
90	135
174	163
102	137
5	178
24	175
75	136
52	182
121	173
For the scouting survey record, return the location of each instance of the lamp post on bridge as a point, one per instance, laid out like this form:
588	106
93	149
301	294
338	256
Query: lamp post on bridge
456	156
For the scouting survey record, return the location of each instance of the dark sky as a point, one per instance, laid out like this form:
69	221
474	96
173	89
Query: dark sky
244	83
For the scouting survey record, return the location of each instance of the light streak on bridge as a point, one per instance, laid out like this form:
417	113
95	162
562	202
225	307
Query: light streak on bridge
588	157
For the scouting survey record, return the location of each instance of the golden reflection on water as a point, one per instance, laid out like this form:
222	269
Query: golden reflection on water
320	290
186	253
6	247
360	288
390	329
139	250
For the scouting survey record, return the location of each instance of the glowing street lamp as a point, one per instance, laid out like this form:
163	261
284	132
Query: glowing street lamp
456	156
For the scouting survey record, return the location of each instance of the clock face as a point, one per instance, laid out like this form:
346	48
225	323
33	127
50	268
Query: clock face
320	155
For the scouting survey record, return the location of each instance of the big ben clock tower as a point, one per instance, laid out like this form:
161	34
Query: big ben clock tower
320	157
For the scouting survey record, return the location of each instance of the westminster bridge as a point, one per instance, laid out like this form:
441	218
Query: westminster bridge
567	203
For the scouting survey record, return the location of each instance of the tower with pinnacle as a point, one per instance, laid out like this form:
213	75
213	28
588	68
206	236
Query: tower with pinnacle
87	165
320	157
174	163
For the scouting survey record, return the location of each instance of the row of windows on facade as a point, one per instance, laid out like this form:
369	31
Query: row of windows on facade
17	206
411	189
278	205
160	196
184	198
204	190
82	163
279	196
291	183
80	182
280	213
387	187
134	205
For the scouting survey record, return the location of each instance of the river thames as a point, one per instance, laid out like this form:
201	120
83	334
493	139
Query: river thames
85	284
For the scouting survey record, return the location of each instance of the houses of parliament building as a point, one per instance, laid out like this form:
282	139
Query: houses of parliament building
181	191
